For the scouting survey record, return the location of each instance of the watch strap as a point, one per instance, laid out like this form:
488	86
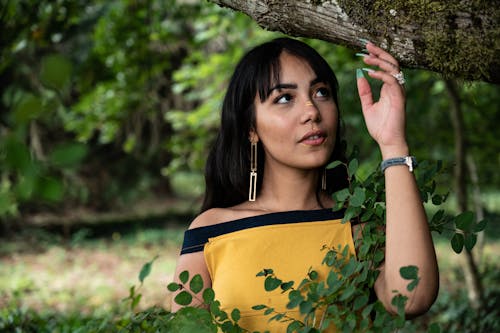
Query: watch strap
410	161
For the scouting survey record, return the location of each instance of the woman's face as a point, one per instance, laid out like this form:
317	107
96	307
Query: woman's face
297	123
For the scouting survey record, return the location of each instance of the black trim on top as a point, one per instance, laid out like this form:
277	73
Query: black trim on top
195	239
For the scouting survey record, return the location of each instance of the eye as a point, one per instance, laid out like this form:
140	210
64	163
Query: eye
323	92
283	99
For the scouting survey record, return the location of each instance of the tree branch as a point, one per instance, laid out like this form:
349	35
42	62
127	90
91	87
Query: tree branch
458	39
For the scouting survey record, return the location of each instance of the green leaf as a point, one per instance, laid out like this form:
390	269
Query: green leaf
353	167
196	284
184	277
434	328
465	221
17	156
412	285
332	279
187	320
265	272
379	256
208	295
268	311
7	204
277	317
480	226
437	199
313	275
350	213
349	268
271	283
25	185
235	315
135	301
259	307
342	195
470	241
215	309
358	197
183	298
68	155
295	298
50	189
360	302
347	293
30	107
409	272
366	311
333	165
294	326
173	286
146	269
457	242
305	307
286	285
55	71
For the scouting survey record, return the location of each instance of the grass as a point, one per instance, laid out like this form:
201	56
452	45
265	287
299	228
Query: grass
87	275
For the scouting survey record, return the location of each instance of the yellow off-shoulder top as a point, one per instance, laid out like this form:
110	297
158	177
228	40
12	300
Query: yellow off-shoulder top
289	242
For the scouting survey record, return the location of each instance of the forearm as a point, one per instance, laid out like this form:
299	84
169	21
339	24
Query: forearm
408	241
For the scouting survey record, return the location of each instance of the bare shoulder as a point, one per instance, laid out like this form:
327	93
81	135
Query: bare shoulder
219	215
211	217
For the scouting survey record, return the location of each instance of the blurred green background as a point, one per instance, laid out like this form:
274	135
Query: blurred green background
107	111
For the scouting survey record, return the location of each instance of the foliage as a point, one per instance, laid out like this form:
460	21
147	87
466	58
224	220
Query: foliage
130	91
453	313
201	80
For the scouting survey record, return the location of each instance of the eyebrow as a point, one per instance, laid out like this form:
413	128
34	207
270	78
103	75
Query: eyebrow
280	86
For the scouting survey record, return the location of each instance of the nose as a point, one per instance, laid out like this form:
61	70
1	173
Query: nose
311	113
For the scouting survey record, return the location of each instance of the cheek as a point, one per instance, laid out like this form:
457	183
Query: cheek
274	133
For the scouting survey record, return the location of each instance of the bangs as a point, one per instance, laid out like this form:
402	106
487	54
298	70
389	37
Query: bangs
268	73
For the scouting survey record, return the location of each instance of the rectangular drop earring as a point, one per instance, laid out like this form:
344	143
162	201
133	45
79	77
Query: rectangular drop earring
323	180
252	191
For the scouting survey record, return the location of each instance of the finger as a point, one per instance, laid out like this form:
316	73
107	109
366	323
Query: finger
384	77
382	54
382	64
364	90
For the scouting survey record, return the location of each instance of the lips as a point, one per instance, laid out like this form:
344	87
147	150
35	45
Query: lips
313	138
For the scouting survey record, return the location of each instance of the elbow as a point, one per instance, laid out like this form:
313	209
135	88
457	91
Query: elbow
421	301
418	308
418	302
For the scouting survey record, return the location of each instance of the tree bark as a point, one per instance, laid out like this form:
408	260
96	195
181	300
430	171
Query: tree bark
478	205
470	267
458	39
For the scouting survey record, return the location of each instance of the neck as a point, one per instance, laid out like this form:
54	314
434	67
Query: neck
290	189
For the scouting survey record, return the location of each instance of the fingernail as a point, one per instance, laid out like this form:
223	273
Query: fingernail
361	55
359	73
364	41
368	70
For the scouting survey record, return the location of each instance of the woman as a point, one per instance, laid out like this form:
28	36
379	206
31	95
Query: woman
280	128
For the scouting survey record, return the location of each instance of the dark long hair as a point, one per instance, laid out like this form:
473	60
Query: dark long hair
227	170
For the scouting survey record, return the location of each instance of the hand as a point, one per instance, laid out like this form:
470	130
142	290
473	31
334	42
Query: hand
385	118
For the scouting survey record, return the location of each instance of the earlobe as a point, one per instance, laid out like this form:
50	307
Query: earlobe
253	136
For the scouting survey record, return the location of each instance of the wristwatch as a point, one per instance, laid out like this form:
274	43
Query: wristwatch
410	161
